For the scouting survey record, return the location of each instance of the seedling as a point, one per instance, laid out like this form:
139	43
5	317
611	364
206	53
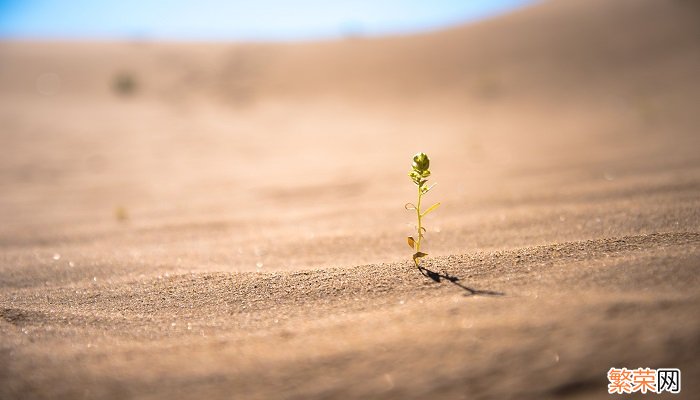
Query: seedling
419	175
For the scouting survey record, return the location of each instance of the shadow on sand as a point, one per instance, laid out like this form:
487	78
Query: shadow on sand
438	277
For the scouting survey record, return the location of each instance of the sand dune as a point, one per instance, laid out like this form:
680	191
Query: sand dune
226	220
375	330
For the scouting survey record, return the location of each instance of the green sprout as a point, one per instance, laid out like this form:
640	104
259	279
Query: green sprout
419	175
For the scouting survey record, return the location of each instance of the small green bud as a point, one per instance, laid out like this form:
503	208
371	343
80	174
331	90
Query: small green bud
421	162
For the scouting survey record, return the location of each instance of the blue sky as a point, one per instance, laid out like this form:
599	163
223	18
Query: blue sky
235	20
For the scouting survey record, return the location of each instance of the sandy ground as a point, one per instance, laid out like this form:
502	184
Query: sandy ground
232	225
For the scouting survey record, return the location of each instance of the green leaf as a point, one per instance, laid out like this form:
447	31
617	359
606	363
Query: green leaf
411	242
426	190
434	206
419	255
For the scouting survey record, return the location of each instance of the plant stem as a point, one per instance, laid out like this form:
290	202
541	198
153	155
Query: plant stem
420	234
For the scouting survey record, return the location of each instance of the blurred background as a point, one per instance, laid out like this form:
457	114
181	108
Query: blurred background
179	136
270	20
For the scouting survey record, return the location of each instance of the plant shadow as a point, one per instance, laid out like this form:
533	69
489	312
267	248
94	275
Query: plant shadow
438	277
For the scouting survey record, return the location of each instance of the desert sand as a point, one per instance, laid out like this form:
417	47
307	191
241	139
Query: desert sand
226	220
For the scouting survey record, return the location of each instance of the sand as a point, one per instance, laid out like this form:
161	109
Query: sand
229	222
